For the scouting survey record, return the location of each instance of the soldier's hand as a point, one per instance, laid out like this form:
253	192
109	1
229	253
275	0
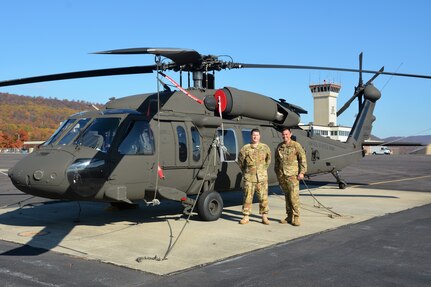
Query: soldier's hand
300	176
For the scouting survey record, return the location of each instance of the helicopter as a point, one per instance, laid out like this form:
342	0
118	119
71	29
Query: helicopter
180	145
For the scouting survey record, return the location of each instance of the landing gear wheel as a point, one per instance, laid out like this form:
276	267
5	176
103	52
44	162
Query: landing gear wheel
342	184
210	206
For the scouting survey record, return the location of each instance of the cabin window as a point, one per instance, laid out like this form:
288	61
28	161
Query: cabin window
74	131
182	144
229	153
64	126
139	140
99	134
246	136
196	144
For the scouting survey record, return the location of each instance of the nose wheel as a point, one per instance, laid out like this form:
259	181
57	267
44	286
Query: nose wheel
342	184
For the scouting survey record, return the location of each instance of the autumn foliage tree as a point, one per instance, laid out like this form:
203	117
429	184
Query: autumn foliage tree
24	118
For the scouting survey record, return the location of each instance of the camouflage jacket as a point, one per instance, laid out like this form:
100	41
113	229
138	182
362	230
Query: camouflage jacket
290	159
254	162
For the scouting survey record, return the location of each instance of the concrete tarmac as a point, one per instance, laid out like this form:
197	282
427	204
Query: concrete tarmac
139	238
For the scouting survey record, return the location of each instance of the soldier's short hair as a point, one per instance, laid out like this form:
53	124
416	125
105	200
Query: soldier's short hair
255	130
286	129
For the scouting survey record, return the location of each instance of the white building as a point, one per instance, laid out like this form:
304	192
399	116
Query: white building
325	112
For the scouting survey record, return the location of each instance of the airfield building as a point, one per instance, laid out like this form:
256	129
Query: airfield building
325	112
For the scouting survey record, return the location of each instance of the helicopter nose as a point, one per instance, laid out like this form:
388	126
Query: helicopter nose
42	173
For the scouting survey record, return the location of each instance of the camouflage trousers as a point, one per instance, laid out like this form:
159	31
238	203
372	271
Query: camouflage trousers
290	187
261	189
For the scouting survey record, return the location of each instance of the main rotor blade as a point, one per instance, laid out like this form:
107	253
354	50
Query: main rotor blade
81	74
265	66
179	56
360	83
379	72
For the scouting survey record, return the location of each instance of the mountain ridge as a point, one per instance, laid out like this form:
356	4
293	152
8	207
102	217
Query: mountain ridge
33	118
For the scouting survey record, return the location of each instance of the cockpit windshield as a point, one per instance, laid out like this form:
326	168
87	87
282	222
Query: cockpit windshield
77	128
59	131
99	134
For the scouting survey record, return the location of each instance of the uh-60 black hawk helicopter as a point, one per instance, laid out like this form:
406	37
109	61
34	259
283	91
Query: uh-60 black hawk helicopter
165	145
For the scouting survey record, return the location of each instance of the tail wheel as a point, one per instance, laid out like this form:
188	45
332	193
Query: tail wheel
210	206
342	184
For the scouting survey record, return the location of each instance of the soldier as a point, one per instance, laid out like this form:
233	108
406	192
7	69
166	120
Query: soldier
254	159
290	167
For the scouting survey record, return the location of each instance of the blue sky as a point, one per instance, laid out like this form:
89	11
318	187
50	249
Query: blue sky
54	36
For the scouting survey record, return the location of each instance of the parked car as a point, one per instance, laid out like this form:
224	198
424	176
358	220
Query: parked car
381	150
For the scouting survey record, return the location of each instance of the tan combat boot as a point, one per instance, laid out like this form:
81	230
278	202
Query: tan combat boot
244	220
295	221
265	219
288	219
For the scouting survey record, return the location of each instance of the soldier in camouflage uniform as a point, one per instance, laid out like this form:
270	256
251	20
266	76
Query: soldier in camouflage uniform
254	159
290	167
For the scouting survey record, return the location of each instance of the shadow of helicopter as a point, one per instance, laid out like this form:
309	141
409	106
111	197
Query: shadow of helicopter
59	218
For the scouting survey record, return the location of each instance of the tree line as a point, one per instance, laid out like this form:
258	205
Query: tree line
24	118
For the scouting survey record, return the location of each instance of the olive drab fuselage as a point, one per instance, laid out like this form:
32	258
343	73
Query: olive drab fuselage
113	154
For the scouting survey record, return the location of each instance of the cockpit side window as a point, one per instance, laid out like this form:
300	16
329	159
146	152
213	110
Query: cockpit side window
99	134
229	150
67	139
182	144
139	140
196	144
64	126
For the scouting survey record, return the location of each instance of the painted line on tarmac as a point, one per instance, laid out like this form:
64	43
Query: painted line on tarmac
3	171
395	180
25	277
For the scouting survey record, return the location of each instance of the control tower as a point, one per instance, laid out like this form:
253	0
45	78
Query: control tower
325	103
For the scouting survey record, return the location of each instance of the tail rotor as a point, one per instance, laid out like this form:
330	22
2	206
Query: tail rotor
360	89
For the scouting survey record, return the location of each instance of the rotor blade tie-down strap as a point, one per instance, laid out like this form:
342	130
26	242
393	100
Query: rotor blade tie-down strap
159	173
181	88
321	204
